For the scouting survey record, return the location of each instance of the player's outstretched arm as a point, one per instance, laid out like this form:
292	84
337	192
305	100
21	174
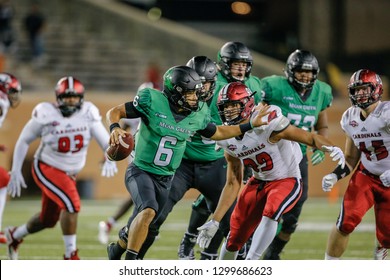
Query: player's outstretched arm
228	196
229	131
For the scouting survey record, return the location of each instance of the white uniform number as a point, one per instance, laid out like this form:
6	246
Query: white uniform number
164	155
307	124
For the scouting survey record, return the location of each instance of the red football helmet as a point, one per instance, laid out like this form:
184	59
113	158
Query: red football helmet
231	94
370	83
68	87
11	86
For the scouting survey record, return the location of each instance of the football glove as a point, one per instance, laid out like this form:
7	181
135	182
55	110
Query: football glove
328	182
317	157
385	178
109	168
16	183
336	154
207	232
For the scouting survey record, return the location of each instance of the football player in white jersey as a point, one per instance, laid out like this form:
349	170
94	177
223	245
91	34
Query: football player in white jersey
10	94
367	127
66	128
275	186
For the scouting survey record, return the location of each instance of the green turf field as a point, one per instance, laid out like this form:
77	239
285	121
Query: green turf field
308	242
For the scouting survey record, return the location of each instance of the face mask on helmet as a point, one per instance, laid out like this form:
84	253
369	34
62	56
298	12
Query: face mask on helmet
234	52
235	103
301	60
207	71
11	86
365	88
69	87
183	86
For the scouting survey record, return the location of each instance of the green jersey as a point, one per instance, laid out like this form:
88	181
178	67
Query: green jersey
301	113
252	82
162	141
200	149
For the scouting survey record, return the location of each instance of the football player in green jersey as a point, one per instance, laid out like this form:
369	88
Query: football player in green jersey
203	168
303	100
168	120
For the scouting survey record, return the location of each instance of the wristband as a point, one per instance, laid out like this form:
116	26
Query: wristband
341	172
245	127
114	125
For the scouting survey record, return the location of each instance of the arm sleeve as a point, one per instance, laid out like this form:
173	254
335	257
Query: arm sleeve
101	135
30	132
132	112
208	131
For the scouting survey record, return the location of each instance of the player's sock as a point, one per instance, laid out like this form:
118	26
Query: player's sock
20	232
227	255
145	246
262	237
274	250
215	243
327	257
199	216
3	200
70	244
131	255
111	222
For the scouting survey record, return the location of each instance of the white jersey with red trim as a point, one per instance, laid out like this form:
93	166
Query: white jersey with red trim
371	136
269	161
65	140
4	107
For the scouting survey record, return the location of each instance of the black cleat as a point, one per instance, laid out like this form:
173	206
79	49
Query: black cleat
111	252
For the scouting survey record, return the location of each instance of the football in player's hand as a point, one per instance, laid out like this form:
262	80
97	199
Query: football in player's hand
121	150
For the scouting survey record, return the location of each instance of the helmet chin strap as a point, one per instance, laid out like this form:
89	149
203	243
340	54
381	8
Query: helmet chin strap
67	111
238	78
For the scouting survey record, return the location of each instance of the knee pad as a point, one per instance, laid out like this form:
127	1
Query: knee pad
289	228
200	206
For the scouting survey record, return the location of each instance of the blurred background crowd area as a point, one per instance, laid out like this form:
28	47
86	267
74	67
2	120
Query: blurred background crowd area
113	46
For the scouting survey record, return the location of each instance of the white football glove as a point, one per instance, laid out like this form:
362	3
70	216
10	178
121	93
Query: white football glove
328	181
207	232
109	168
336	154
385	178
16	183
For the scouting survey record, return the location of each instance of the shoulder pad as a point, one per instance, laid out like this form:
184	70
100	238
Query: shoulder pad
276	120
282	123
43	112
91	111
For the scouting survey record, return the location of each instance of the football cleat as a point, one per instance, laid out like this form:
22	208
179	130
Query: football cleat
73	256
13	244
111	253
186	247
104	232
380	253
3	238
208	256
